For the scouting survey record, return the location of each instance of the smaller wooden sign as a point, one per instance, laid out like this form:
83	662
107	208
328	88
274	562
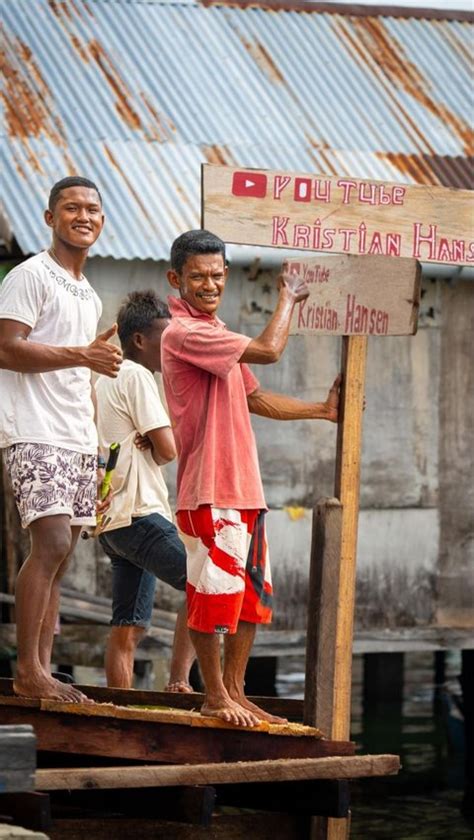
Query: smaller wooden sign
352	295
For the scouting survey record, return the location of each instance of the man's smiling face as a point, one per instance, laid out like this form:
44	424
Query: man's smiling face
201	282
77	218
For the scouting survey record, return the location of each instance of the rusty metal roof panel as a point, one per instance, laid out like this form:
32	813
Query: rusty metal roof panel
137	94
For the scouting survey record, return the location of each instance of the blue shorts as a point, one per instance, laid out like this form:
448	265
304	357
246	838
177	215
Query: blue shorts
148	549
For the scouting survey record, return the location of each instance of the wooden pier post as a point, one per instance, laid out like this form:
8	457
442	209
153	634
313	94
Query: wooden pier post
333	575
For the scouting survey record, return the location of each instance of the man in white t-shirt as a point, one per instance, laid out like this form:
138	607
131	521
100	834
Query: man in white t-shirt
139	535
48	321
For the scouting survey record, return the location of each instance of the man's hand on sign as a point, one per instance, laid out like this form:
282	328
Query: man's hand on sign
332	402
294	283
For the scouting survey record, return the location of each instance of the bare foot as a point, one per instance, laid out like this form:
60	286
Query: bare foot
43	687
243	701
230	711
179	687
70	694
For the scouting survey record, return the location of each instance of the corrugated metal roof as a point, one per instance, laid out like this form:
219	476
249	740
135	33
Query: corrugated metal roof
135	95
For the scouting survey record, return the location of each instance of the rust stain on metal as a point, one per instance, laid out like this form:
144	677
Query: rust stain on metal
79	6
320	148
162	127
59	8
433	169
81	49
106	65
130	186
365	59
263	59
28	107
374	44
411	166
218	154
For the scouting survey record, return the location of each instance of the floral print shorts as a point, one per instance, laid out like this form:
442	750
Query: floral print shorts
48	481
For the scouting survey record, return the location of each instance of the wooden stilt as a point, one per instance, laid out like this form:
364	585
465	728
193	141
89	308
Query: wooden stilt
354	353
332	577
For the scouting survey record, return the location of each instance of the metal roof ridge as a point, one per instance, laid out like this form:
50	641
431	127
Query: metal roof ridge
346	9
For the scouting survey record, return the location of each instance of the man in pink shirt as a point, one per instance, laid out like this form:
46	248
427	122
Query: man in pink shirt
220	507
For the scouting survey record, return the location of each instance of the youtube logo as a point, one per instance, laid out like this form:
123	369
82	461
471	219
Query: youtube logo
249	184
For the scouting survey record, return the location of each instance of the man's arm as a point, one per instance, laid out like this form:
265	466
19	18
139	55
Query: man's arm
23	356
269	345
163	448
281	407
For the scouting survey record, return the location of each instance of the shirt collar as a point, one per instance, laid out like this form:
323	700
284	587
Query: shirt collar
179	307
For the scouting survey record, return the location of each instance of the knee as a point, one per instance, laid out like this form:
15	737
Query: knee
52	543
126	638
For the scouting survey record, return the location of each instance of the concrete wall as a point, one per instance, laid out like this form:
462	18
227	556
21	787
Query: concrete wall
417	497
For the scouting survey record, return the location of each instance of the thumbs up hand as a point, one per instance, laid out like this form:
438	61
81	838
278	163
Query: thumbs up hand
103	357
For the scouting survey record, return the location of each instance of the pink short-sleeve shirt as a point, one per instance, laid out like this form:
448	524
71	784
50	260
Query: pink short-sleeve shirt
206	389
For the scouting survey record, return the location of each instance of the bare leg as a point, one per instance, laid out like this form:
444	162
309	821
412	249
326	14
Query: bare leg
218	702
50	618
237	650
50	545
183	654
120	653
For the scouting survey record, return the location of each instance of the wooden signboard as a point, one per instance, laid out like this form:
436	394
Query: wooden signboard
357	296
338	215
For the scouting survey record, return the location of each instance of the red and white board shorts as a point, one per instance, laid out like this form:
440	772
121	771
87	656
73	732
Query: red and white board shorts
228	568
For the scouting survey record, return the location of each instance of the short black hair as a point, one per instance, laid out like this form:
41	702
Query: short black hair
70	181
194	242
137	313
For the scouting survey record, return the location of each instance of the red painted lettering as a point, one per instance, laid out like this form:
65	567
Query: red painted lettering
444	253
301	236
398	195
347	186
376	244
279	236
419	239
279	184
302	189
384	198
347	234
322	191
328	238
393	246
368	193
458	249
316	234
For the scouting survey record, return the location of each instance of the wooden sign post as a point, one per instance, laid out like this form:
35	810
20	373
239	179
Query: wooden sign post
363	292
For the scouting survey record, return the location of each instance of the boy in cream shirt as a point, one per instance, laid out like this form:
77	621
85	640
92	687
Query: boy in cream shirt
139	535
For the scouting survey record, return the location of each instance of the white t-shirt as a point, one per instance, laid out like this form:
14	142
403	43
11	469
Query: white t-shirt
54	407
126	405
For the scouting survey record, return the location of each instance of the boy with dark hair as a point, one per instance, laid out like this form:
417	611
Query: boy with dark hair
211	392
139	535
48	321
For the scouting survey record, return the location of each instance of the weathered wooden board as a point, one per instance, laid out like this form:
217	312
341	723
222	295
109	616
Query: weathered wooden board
357	296
157	736
281	770
338	215
289	708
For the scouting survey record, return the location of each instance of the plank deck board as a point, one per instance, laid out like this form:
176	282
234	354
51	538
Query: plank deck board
290	708
280	770
160	735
